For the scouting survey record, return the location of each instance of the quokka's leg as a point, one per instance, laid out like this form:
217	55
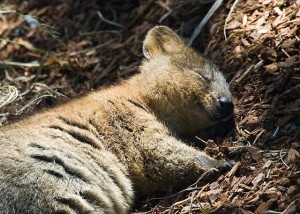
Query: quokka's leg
169	162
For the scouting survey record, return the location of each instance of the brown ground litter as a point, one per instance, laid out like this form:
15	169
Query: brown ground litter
81	45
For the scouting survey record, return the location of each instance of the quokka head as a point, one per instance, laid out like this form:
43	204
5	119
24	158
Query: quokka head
185	90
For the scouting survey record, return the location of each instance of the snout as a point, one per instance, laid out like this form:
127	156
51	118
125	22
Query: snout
225	108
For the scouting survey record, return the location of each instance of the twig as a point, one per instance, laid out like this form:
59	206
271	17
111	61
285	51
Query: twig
258	136
39	70
292	206
165	16
56	93
203	141
31	102
280	155
139	15
268	173
108	21
93	48
198	29
176	204
233	170
276	132
194	185
190	188
273	212
244	74
15	43
99	32
7	11
285	52
7	95
191	203
227	18
20	64
106	70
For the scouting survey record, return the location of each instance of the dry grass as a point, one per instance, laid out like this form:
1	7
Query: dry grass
8	94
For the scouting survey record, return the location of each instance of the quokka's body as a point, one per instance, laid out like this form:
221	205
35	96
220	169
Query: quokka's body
93	154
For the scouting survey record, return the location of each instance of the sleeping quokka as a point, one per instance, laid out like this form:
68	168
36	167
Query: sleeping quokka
95	153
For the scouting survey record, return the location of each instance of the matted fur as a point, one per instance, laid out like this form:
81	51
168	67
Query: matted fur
90	155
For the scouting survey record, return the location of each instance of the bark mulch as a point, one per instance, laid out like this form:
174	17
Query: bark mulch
64	48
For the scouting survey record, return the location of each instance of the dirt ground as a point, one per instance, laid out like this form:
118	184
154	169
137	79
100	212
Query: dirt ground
57	50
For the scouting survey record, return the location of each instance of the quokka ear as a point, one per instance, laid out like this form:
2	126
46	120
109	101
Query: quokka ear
162	40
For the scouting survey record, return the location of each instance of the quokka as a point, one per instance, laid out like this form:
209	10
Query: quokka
93	154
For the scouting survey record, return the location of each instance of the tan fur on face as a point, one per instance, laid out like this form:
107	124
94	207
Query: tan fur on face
90	155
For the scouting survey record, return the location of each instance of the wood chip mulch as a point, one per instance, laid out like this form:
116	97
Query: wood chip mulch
64	48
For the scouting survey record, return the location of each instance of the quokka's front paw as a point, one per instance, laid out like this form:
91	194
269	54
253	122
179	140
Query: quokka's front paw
216	169
206	162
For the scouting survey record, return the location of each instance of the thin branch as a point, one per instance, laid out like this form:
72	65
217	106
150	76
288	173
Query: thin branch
198	29
191	203
20	64
280	155
39	70
165	16
227	18
19	112
108	21
15	43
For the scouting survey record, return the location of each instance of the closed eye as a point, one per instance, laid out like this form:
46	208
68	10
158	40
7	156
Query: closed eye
203	74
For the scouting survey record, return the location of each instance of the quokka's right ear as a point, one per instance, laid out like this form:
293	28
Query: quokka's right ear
162	40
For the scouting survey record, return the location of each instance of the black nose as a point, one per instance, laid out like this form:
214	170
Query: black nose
225	107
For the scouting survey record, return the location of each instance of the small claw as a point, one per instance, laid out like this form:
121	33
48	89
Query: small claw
224	165
210	174
213	170
228	165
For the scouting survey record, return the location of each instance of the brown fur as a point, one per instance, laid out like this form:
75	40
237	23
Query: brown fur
91	154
